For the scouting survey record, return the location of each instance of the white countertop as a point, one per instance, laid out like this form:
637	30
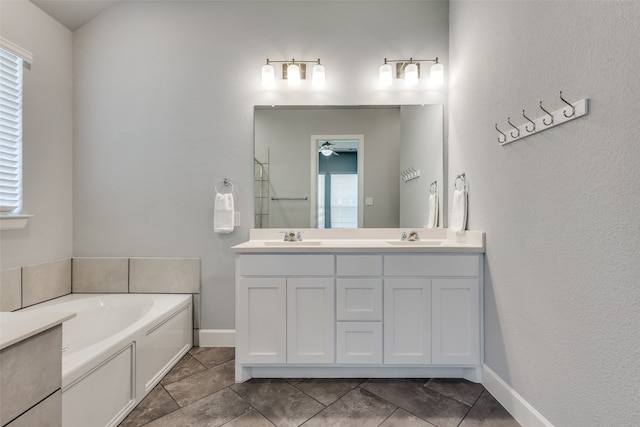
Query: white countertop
20	325
362	240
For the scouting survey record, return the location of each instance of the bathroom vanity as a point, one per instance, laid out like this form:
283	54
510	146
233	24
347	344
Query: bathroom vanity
359	303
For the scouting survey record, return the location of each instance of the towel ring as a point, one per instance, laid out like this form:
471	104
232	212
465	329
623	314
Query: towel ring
462	178
433	188
226	183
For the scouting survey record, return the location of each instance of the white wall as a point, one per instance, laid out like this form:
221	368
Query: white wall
560	208
47	137
164	102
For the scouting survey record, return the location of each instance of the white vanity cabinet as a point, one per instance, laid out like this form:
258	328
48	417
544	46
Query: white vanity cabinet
344	313
285	309
432	309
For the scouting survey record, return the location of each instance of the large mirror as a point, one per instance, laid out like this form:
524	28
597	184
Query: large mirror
348	166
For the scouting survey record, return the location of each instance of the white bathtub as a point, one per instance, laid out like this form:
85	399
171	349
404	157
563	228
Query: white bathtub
116	349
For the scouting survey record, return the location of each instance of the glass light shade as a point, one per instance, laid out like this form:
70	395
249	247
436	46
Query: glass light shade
411	74
268	75
385	75
318	75
293	75
437	74
326	152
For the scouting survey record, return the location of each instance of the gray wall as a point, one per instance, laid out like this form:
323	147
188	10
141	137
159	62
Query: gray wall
560	209
47	137
164	96
287	132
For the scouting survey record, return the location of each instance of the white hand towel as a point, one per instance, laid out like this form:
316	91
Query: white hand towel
433	211
223	213
459	211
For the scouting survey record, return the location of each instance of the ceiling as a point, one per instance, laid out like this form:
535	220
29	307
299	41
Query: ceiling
73	13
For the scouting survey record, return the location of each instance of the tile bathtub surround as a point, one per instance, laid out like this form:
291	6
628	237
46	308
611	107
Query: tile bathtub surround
11	289
164	275
200	391
45	281
100	275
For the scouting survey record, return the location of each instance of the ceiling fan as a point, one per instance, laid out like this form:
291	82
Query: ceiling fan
327	149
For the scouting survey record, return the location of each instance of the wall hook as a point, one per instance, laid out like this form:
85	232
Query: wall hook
573	109
530	121
504	137
550	115
513	126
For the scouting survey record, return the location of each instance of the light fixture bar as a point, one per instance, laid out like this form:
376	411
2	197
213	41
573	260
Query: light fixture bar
409	70
295	68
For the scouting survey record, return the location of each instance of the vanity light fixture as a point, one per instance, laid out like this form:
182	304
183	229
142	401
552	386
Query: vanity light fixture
294	71
409	71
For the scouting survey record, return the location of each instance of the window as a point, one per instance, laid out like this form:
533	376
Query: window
11	67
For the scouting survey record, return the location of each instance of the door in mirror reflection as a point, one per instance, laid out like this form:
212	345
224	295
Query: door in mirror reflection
337	174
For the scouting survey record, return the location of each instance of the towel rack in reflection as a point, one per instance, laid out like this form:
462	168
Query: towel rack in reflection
290	198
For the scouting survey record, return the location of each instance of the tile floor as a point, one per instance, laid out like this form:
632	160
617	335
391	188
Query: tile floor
200	391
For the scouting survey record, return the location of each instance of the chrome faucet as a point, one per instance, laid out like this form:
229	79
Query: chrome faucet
413	236
404	236
290	236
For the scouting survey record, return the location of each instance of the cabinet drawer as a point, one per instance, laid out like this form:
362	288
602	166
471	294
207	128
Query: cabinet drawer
359	342
432	265
359	299
359	265
285	265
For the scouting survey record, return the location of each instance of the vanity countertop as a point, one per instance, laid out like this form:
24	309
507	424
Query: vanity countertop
20	325
361	240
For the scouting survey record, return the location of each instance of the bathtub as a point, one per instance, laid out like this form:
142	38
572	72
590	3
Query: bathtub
116	349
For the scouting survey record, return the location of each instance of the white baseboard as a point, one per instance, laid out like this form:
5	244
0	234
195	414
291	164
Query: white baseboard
217	338
519	408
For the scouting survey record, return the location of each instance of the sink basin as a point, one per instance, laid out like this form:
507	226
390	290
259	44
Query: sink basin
292	244
415	243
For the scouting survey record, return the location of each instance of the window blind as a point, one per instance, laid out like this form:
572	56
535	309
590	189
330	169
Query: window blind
10	132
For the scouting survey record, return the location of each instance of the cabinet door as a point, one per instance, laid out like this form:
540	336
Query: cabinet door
456	321
310	320
261	331
407	321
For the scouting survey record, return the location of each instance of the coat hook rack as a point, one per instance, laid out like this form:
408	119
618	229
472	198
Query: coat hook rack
409	174
557	117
